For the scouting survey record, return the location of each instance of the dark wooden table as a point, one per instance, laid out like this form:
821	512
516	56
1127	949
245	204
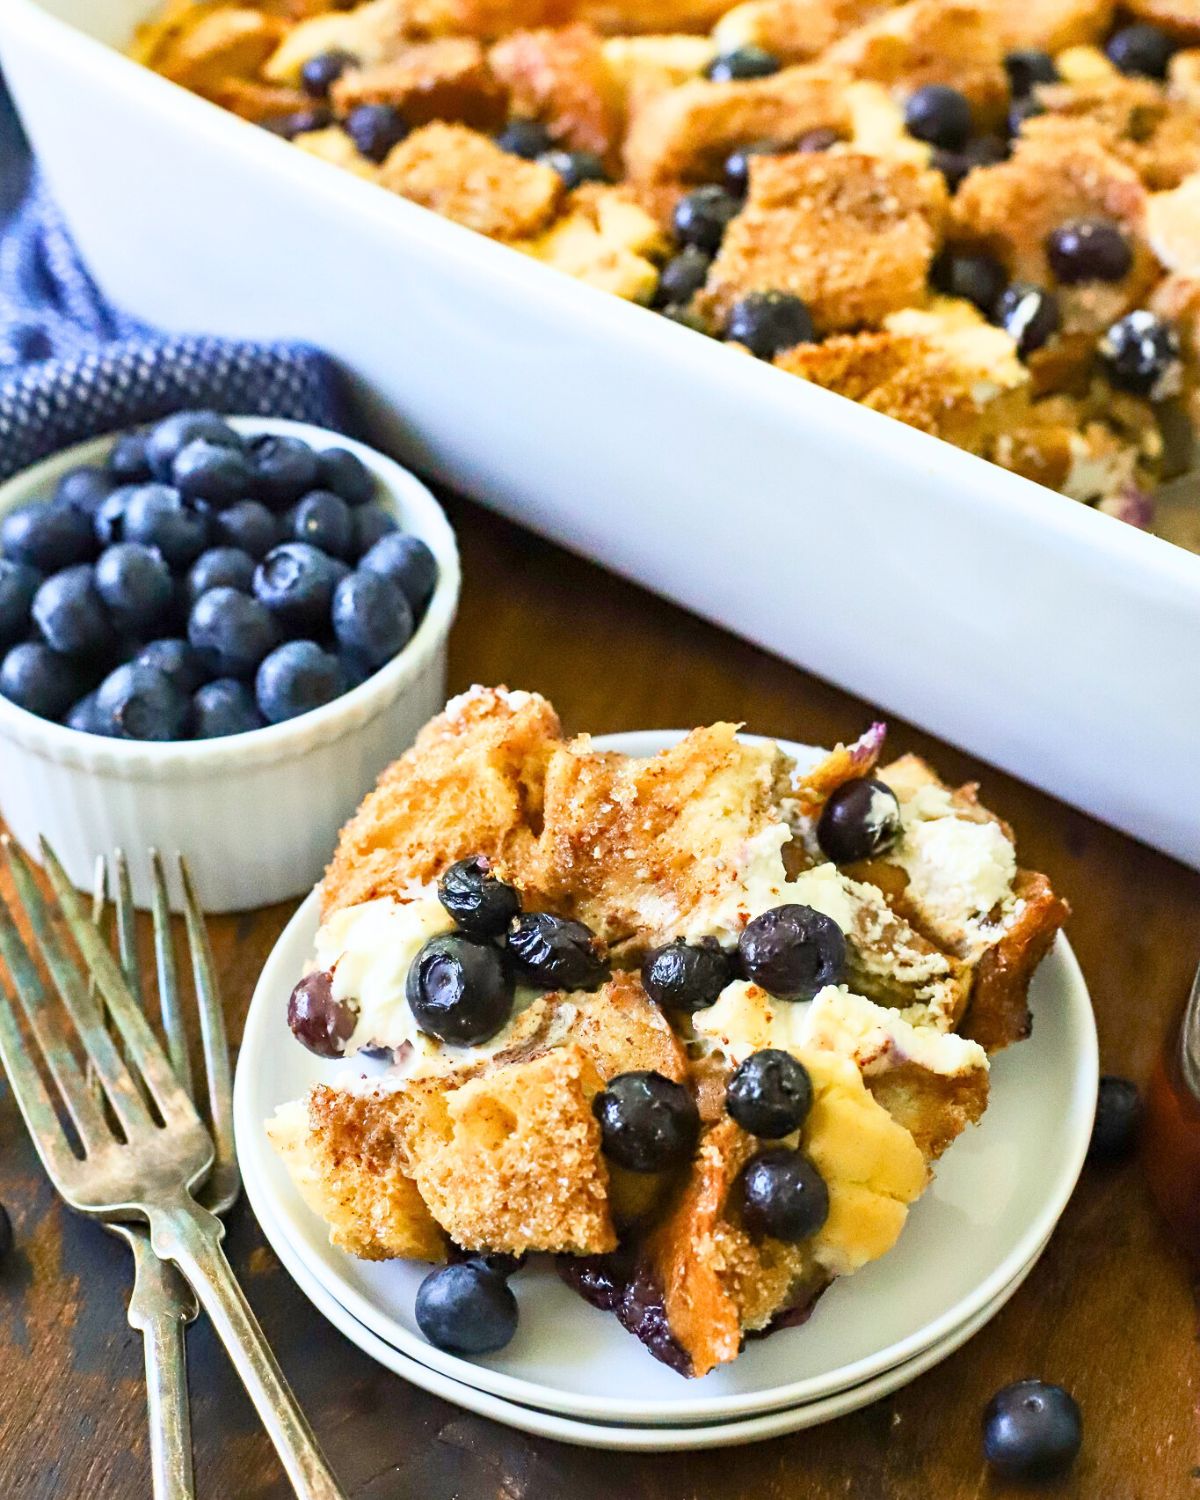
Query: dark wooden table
1110	1311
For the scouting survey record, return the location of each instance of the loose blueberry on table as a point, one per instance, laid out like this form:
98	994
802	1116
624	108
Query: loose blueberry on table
201	584
1031	1430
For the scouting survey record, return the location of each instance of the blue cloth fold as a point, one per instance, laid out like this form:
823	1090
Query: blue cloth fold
72	366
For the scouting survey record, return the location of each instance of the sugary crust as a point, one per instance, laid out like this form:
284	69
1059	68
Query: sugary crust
851	234
472	783
686	133
1132	118
560	76
447	79
466	177
793	30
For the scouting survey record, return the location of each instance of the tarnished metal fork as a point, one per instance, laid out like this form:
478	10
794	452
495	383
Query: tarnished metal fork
149	1166
161	1303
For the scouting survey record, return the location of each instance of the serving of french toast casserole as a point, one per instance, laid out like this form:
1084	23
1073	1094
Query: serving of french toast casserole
697	1026
981	217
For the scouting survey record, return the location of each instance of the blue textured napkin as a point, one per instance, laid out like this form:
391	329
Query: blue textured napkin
72	366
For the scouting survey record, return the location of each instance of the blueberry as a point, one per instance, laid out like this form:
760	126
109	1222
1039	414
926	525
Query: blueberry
1088	250
859	820
481	905
179	660
18	584
354	671
47	537
575	167
128	461
371	524
346	475
702	216
40	680
157	516
983	151
1028	67
1140	353
315	1018
648	1123
371	618
687	976
136	586
527	138
466	1309
85	489
320	73
1141	50
744	62
296	678
300	122
737	165
410	565
1029	315
555	953
108	521
285	468
83	716
224	707
769	322
232	632
70	614
137	702
1031	1430
216	475
783	1195
977	278
220	567
375	129
324	520
938	114
1118	1116
682	277
168	438
296	583
792	951
770	1094
459	989
248	526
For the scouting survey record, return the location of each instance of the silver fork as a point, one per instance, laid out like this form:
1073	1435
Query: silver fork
161	1303
149	1168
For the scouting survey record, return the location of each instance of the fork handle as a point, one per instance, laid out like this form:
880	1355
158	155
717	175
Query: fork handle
189	1235
161	1305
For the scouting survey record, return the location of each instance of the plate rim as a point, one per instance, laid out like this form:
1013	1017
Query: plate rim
252	1151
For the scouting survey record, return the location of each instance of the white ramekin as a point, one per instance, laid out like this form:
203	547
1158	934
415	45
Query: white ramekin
256	814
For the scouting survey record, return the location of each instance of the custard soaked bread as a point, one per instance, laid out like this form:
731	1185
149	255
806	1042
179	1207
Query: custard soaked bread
699	1023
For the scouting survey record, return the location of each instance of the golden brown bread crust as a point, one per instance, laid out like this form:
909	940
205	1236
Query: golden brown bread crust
559	76
446	79
998	1012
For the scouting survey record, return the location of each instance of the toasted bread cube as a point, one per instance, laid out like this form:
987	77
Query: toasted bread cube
643	66
851	234
633	17
793	30
213	45
464	176
1179	18
686	133
473	783
606	239
623	1031
511	1161
560	77
250	99
1173	226
343	1155
1052	25
1158	136
369	33
956	42
447	79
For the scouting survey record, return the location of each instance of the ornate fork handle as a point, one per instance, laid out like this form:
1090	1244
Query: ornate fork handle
161	1305
189	1235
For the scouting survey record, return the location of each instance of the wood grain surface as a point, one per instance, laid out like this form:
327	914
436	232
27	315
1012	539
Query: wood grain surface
1110	1311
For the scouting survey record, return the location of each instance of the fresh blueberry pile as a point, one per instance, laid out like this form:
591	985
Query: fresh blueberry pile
201	583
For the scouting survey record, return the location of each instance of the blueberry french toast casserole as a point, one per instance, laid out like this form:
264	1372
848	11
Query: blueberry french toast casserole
981	217
698	1025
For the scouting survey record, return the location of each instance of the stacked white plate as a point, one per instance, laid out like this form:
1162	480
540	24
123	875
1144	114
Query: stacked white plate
574	1374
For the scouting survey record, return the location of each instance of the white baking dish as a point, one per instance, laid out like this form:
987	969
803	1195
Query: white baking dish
1057	642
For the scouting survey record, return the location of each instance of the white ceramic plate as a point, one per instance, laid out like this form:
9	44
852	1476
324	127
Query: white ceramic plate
998	1193
631	1438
